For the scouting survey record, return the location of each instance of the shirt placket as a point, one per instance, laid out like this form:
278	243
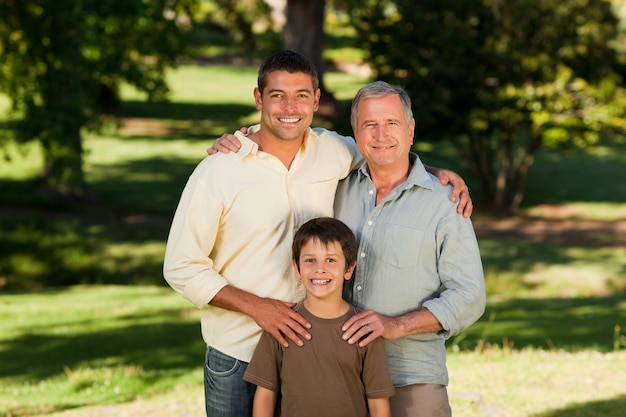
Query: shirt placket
364	263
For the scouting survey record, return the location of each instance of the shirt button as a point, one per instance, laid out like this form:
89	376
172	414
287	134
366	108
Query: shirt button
369	223
363	255
359	288
371	192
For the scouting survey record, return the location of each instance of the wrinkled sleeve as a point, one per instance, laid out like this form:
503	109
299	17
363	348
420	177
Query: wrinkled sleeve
187	268
463	299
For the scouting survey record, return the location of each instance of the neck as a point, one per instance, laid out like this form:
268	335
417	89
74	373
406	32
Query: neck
387	180
284	150
326	309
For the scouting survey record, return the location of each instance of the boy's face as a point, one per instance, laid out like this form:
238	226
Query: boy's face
323	269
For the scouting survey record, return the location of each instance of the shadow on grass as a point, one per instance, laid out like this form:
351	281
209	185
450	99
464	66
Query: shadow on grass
570	324
159	346
606	408
65	249
168	110
506	261
149	186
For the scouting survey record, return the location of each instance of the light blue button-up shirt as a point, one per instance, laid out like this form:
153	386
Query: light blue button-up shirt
415	252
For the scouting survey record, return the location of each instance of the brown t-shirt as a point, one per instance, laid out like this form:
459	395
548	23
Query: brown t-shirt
325	377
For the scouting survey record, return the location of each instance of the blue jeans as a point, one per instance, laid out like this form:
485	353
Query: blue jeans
226	394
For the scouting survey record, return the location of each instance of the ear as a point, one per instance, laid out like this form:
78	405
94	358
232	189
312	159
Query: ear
412	131
258	98
348	274
295	268
316	105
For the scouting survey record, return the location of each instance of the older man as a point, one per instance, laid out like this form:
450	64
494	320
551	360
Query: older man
419	272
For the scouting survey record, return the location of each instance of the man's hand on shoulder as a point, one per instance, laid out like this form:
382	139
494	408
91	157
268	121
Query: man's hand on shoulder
226	143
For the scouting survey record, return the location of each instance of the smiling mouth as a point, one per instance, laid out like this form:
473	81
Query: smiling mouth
289	119
320	281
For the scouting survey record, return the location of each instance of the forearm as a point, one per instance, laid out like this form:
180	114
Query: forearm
379	407
417	322
274	316
264	403
235	299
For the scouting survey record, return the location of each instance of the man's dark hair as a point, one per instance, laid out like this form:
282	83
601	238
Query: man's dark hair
289	61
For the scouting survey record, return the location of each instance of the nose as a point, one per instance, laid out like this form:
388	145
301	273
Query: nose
289	104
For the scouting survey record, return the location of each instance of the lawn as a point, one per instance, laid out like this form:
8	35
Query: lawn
552	342
136	351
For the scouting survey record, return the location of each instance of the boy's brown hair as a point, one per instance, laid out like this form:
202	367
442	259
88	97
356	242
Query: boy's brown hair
326	230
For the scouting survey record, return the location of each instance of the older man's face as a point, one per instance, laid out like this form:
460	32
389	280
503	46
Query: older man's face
382	134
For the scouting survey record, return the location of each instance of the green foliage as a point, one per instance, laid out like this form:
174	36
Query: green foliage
63	61
244	20
502	79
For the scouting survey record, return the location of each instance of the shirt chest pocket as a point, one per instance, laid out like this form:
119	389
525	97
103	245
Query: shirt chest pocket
318	197
401	246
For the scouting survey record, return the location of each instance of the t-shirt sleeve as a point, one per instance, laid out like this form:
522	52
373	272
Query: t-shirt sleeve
376	379
264	367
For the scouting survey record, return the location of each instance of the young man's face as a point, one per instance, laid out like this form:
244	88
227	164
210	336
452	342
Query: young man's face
323	269
382	134
287	104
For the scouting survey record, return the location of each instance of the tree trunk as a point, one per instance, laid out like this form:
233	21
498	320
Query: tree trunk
63	175
304	33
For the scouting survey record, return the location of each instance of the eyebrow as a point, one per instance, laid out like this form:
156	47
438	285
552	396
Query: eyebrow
278	90
388	119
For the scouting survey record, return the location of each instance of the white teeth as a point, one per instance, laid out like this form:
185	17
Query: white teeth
320	281
289	120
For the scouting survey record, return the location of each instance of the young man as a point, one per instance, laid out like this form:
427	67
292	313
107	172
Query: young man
419	271
229	246
327	376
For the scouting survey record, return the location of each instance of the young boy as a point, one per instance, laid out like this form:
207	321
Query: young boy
327	376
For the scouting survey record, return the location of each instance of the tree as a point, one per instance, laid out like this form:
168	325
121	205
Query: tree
501	79
304	33
300	22
240	18
59	56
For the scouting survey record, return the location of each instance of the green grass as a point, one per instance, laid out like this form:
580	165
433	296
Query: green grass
537	383
91	347
62	349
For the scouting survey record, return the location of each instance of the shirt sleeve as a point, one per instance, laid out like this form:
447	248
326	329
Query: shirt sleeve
187	268
376	379
264	367
463	299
